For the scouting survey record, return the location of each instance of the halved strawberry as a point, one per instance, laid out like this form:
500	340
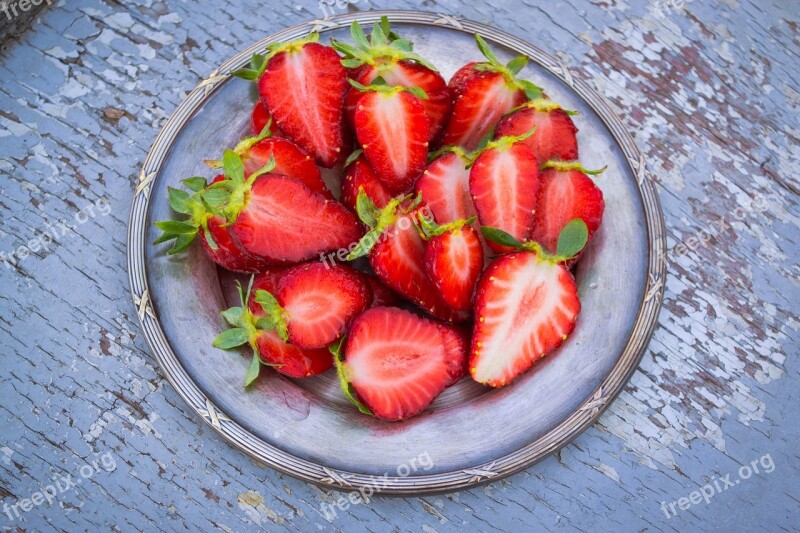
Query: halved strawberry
290	160
453	260
279	218
483	93
215	236
251	325
259	119
394	61
456	342
526	304
382	296
358	174
504	182
313	303
303	85
395	362
397	255
444	187
393	130
554	132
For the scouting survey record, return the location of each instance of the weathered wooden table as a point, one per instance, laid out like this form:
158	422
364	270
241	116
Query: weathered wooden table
704	437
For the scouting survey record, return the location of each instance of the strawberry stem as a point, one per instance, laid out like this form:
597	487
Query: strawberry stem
567	166
379	86
509	70
344	378
382	50
429	228
571	241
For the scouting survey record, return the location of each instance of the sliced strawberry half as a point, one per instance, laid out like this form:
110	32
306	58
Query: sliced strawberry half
566	193
393	60
259	118
359	174
250	324
504	182
453	260
382	296
393	130
397	255
554	133
215	236
303	84
456	342
444	187
483	93
396	362
525	307
313	303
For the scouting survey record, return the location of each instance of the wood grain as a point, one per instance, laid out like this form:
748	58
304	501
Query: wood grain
709	90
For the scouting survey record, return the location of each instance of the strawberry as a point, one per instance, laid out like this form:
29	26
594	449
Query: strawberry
453	260
504	182
382	296
313	303
250	324
303	86
526	304
359	174
393	130
566	192
554	133
395	363
444	187
290	159
396	254
396	63
259	118
456	341
277	217
215	237
483	93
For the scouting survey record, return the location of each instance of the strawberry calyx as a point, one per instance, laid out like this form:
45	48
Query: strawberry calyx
542	104
242	148
379	219
352	157
467	158
571	240
568	166
184	232
344	377
509	71
258	62
382	50
230	196
502	144
428	228
379	85
245	328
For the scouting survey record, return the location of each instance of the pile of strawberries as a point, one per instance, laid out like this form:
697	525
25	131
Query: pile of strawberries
465	199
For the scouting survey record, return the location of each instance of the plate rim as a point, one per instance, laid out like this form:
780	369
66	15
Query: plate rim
511	463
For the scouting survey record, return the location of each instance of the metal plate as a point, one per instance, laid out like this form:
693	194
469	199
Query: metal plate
471	434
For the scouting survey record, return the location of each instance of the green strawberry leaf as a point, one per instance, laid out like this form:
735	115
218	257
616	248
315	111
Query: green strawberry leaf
532	91
233	167
358	36
253	370
182	242
196	183
572	238
275	313
233	315
500	237
344	381
231	338
179	200
486	51
352	157
176	227
517	64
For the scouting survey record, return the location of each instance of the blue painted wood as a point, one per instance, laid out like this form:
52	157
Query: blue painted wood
710	92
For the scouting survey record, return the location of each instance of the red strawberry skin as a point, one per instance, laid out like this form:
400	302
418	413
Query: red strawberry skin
480	102
563	196
554	137
444	187
304	91
456	342
398	259
454	261
462	76
360	174
228	253
382	296
259	118
394	132
287	359
407	74
397	362
285	221
525	307
504	185
290	160
321	301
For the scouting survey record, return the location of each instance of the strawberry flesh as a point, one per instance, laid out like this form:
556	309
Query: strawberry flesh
285	221
456	342
397	362
290	160
360	174
259	118
554	136
444	187
304	91
525	307
454	261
